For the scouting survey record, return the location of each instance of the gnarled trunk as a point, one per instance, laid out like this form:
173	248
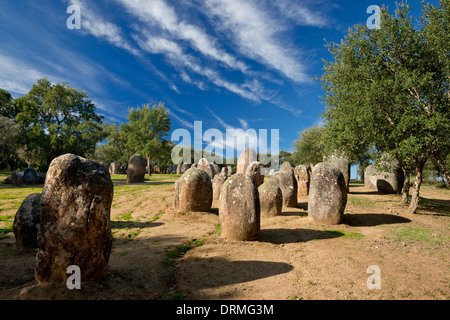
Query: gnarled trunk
416	188
442	167
406	184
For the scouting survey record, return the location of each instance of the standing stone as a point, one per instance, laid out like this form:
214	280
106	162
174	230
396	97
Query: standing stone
29	176
327	195
288	185
178	169
302	176
342	163
239	209
390	180
41	178
370	177
184	167
229	171
286	167
193	191
224	171
217	183
26	222
16	178
270	199
136	169
254	172
156	169
75	224
194	165
207	167
247	156
216	168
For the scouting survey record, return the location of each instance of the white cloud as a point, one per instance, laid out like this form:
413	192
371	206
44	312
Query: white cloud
99	28
160	13
300	14
257	35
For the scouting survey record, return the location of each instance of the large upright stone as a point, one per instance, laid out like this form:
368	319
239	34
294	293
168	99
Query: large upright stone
288	185
136	169
370	177
193	191
179	169
254	172
239	209
16	178
302	176
270	199
229	171
75	224
390	176
286	167
114	167
247	156
204	164
341	163
184	167
327	195
157	169
29	176
26	221
217	184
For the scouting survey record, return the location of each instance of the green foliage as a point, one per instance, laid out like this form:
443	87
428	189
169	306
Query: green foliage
387	89
147	130
310	147
54	120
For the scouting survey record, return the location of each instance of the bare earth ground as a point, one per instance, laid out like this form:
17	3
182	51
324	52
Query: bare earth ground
160	254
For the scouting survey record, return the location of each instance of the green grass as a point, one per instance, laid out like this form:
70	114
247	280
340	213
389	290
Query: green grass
344	234
361	202
418	234
127	216
8	218
7	229
180	251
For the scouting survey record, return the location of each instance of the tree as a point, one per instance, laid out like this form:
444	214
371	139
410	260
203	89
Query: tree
147	130
9	134
309	149
57	119
387	89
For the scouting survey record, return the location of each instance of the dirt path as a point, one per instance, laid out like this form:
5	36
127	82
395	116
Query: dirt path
159	254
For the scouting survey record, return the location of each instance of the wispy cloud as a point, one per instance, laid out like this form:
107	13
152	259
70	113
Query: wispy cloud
255	32
96	25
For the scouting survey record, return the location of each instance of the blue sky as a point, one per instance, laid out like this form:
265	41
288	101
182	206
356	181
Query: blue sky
227	63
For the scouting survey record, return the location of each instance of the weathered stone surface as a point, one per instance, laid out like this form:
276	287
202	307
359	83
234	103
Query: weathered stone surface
247	156
156	169
287	167
229	171
29	176
239	209
391	180
342	163
288	185
223	170
194	165
136	169
179	169
204	164
216	168
271	172
193	191
327	195
27	220
41	178
16	178
254	172
270	199
75	224
301	173
370	177
184	167
217	184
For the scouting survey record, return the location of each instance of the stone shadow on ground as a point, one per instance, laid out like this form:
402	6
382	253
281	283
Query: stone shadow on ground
372	219
283	236
134	224
217	272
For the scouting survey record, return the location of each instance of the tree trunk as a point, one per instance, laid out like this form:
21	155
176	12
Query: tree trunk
406	184
416	188
149	166
442	167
